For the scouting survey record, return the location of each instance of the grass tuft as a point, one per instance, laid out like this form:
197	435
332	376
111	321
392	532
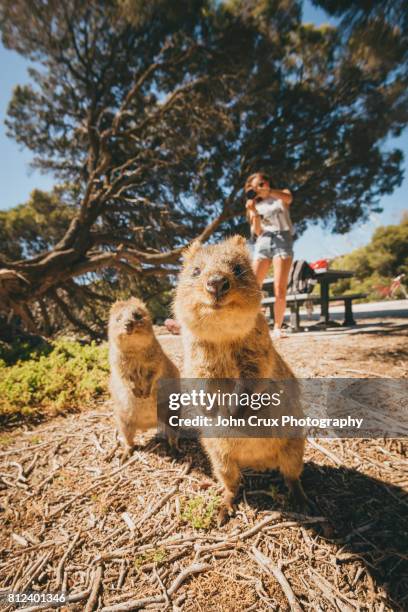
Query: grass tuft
200	511
150	556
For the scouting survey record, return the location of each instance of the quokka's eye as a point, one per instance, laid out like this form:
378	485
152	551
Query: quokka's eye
238	270
196	272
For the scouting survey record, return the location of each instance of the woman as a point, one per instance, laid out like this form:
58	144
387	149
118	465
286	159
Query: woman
268	216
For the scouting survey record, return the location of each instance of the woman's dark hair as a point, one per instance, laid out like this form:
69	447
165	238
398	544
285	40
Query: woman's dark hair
250	178
263	177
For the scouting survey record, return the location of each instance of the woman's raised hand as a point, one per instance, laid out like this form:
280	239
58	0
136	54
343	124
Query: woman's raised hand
250	205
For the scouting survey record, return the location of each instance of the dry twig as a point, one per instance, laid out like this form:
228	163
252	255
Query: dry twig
276	571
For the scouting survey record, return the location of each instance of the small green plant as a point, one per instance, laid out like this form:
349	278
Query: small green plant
100	505
273	492
150	556
200	511
5	440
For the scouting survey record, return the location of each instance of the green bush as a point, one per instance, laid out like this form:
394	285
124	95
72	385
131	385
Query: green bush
377	263
20	350
65	379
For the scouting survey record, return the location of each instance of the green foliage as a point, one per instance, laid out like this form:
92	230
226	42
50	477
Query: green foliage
377	263
6	440
35	226
157	556
21	350
200	511
66	379
141	13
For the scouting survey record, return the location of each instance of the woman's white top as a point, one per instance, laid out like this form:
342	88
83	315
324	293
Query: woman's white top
274	216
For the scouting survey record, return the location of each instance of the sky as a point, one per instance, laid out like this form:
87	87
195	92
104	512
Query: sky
318	242
18	179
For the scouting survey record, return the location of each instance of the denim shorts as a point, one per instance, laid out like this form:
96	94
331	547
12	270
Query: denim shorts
273	244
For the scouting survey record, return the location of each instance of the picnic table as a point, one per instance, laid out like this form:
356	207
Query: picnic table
294	301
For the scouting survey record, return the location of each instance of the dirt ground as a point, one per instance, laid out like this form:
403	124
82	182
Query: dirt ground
373	348
142	536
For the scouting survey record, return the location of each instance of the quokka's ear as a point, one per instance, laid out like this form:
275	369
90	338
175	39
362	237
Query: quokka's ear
191	250
117	306
238	240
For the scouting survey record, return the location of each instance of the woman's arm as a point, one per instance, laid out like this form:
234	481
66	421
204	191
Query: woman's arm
254	218
256	224
282	194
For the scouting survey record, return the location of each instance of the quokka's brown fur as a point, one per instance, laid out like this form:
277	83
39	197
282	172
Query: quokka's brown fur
137	362
225	335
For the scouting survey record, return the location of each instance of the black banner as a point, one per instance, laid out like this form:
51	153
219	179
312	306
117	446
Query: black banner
324	407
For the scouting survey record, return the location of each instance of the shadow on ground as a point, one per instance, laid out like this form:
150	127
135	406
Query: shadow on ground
384	328
367	519
394	355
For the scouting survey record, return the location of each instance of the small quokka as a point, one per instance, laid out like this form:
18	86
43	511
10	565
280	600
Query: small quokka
225	335
137	362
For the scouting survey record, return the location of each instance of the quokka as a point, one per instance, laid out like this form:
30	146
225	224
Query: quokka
225	335
137	362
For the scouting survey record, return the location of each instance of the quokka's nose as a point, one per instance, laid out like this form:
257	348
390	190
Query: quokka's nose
218	285
133	319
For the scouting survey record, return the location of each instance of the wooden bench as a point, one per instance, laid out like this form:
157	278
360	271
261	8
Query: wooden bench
295	301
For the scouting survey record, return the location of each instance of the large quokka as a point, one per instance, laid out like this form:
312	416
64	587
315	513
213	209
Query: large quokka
225	335
137	362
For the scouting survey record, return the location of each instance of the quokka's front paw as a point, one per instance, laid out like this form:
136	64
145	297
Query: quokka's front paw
173	441
224	513
298	499
126	454
300	506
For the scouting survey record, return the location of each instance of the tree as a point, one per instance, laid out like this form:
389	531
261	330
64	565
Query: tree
34	227
378	29
377	263
376	33
99	75
156	113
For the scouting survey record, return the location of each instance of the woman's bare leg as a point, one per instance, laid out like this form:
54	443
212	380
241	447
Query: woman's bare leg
261	267
281	268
